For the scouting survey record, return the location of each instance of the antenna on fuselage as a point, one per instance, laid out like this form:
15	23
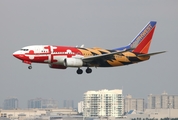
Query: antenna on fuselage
82	46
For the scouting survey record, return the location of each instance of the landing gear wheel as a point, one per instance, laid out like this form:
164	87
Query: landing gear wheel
29	67
88	70
79	71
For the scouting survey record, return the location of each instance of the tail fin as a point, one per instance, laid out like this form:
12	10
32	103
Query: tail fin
141	43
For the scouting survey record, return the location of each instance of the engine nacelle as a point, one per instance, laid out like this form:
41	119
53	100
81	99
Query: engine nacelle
73	62
58	60
56	66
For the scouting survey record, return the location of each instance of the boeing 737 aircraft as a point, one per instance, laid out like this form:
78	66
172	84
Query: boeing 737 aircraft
61	57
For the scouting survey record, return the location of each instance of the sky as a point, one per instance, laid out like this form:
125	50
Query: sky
94	23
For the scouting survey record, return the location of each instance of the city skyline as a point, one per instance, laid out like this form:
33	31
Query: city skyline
102	23
125	96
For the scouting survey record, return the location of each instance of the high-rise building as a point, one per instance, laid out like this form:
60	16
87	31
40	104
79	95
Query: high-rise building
133	104
140	104
175	102
162	101
68	104
42	103
11	103
103	103
80	107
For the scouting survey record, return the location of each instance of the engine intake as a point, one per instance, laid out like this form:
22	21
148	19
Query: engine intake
73	62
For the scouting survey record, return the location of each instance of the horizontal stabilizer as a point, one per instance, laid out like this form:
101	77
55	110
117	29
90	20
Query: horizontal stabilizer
150	54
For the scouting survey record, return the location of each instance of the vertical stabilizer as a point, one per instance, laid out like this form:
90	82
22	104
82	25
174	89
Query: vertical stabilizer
141	43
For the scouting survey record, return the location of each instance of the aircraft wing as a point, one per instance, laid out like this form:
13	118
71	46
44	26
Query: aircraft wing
102	56
150	54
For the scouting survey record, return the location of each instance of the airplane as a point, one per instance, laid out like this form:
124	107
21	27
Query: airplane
62	57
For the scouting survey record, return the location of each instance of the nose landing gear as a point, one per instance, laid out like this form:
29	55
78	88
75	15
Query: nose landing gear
30	67
29	63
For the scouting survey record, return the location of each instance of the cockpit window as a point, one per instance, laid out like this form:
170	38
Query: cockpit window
24	49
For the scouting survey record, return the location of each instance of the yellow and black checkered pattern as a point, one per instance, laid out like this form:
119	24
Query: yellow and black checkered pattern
120	59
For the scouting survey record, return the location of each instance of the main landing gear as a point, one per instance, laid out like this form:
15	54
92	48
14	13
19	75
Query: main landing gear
80	71
88	70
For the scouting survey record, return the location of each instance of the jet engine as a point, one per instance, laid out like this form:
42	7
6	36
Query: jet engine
73	62
57	66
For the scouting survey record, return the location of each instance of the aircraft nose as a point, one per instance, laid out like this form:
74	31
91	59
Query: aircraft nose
17	54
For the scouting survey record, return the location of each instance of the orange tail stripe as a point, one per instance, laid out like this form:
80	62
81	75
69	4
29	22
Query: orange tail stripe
144	42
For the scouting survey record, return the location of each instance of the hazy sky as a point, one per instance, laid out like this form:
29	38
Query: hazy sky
95	23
